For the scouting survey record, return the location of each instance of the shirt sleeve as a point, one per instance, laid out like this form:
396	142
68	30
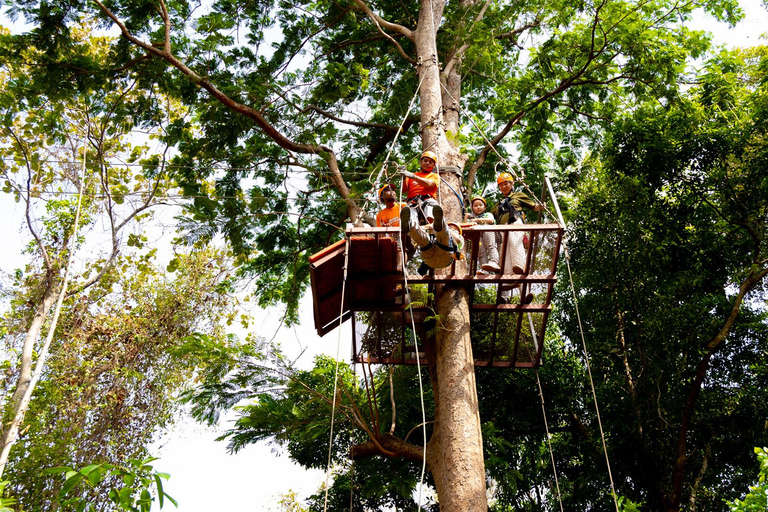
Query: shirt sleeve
521	199
435	179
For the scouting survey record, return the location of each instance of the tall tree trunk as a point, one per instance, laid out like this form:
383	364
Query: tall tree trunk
455	452
10	430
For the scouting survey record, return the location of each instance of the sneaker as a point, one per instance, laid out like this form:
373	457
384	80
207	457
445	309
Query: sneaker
437	214
405	219
527	299
491	267
516	269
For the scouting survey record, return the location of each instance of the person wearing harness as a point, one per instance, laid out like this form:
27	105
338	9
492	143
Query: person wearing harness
438	250
390	214
421	188
510	211
488	254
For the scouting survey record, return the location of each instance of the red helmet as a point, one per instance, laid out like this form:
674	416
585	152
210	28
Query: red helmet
505	176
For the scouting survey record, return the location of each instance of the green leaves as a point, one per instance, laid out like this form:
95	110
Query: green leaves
664	248
131	486
757	497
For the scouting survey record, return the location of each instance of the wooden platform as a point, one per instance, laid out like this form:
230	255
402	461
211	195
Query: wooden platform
367	271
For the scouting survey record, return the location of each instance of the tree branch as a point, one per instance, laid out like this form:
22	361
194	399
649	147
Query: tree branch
380	22
456	57
389	446
749	283
254	115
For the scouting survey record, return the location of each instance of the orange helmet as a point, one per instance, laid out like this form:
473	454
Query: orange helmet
385	187
455	227
478	198
429	154
505	176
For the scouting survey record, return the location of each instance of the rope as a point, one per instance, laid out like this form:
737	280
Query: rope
461	200
589	372
509	165
377	181
549	439
544	412
336	377
418	370
485	138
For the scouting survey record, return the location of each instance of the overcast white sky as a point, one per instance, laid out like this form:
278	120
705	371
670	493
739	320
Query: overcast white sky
203	476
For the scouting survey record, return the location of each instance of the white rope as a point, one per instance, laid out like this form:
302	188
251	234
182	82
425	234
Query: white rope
589	372
336	376
377	181
583	341
407	295
509	165
549	441
544	412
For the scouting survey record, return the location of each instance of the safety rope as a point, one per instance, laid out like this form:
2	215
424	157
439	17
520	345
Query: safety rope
351	460
544	412
583	340
589	372
336	375
482	133
407	296
549	440
510	165
377	181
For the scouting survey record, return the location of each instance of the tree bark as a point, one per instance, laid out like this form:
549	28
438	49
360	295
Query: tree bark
18	402
455	452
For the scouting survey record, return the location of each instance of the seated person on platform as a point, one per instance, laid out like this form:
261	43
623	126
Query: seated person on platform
390	214
421	188
510	211
438	250
488	254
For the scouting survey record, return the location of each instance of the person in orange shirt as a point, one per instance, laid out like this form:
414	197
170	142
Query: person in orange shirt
390	214
421	189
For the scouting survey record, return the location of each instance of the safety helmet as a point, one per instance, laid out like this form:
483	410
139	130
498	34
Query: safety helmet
385	187
429	154
478	198
505	176
455	227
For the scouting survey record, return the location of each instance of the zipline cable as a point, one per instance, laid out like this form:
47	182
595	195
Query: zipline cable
336	375
549	441
482	133
584	345
589	372
377	181
544	412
